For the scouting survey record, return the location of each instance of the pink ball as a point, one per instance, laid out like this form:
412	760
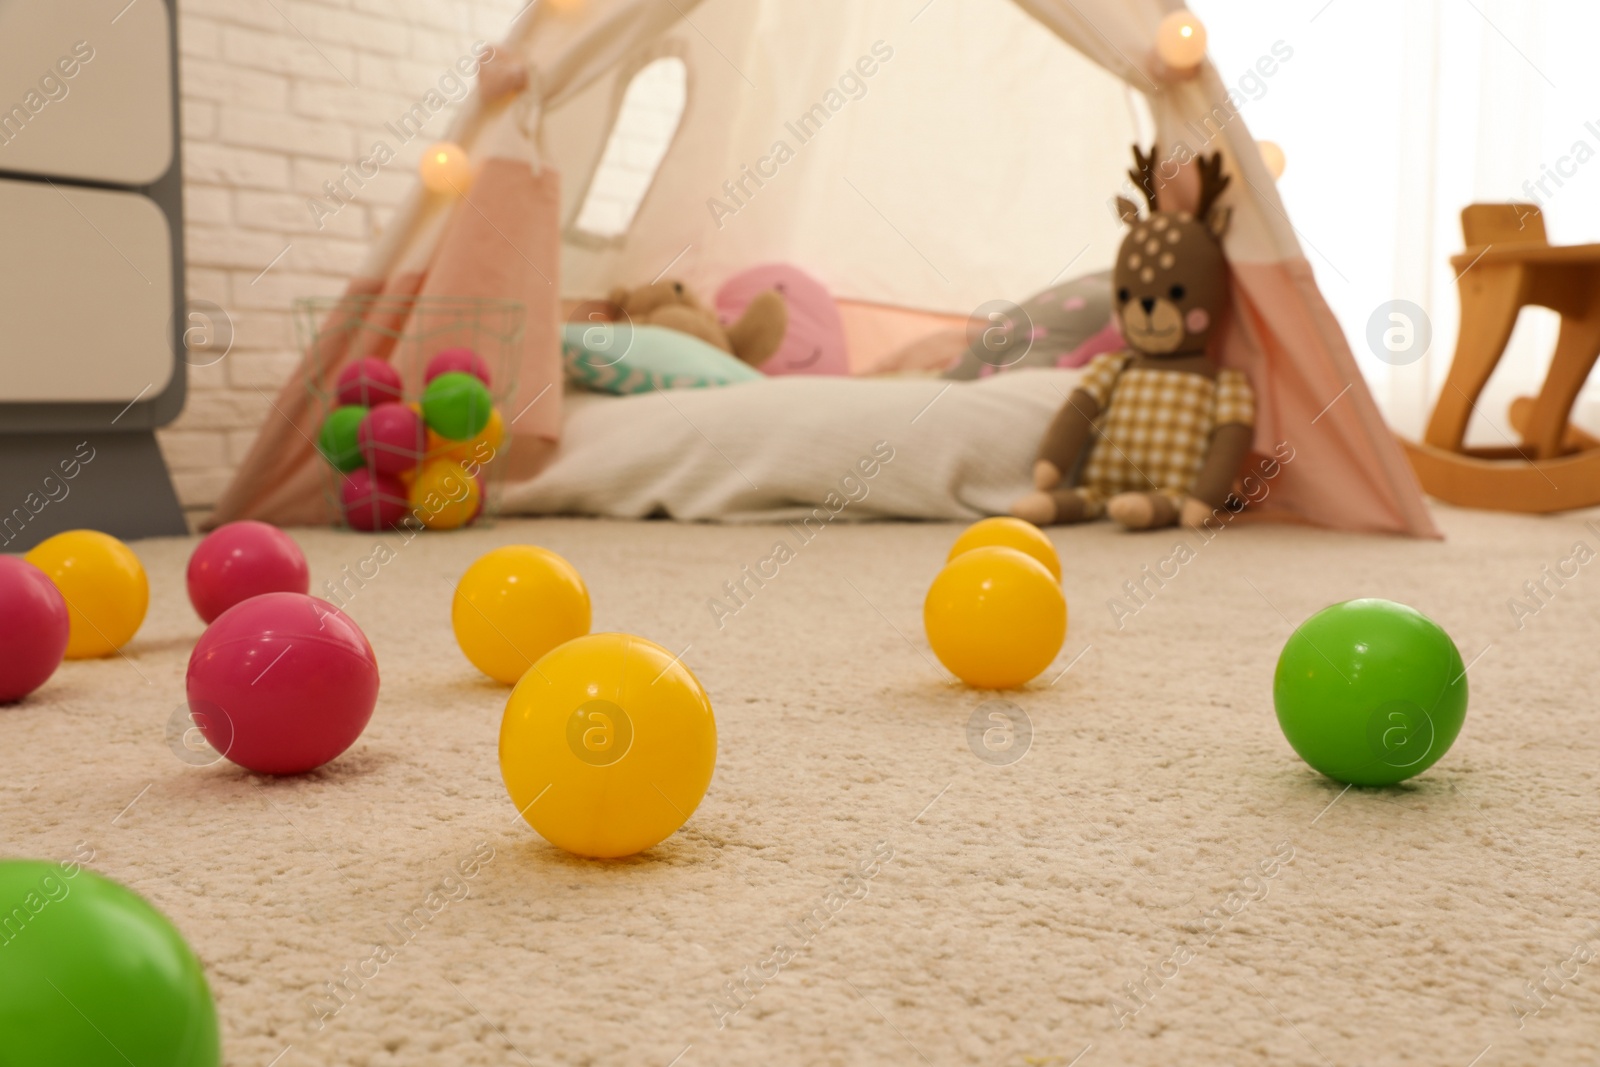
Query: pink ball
372	501
392	439
241	560
369	382
33	628
282	683
462	360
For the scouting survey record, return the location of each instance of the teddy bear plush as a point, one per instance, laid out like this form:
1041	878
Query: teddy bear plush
754	337
1154	435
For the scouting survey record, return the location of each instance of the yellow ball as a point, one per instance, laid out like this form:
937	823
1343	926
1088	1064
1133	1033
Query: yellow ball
516	604
480	449
607	745
995	617
443	495
445	168
103	584
1023	536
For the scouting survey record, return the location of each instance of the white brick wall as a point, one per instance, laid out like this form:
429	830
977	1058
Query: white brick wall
277	97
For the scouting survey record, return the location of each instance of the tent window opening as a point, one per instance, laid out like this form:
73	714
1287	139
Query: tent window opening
652	108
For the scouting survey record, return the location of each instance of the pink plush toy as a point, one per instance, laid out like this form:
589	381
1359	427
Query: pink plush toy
814	342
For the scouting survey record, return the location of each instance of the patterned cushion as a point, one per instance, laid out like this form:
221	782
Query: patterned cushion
618	358
1057	322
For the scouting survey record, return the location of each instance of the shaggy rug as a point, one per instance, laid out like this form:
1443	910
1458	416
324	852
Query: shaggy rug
1140	870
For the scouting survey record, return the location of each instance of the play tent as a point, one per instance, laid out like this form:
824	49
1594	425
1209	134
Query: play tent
921	156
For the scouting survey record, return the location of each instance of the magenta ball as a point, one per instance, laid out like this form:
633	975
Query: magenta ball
461	360
392	439
369	382
282	683
33	628
372	501
241	560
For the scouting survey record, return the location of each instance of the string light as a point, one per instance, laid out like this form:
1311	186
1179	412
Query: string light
445	168
1181	40
1272	155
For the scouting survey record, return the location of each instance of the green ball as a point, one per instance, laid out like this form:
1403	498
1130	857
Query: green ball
1370	692
92	975
338	441
456	406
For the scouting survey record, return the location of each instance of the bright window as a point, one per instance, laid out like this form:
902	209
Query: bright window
651	110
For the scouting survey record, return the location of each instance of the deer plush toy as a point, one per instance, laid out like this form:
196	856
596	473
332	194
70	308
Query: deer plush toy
1154	434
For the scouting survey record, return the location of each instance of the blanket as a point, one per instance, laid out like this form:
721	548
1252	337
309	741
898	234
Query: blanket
781	448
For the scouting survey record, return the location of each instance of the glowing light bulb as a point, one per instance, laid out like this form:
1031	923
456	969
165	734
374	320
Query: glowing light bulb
445	168
1181	40
1272	155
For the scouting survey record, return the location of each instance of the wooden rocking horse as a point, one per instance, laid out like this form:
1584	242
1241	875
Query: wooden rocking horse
1508	264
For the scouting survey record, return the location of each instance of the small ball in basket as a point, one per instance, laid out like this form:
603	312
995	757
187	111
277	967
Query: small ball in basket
369	382
479	450
457	406
444	496
372	501
392	439
458	360
339	441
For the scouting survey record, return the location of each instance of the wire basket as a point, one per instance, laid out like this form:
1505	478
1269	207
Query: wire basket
407	332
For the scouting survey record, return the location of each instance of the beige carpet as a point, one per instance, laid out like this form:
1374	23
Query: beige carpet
875	891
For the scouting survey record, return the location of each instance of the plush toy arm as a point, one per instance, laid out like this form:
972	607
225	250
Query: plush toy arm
1064	441
1229	444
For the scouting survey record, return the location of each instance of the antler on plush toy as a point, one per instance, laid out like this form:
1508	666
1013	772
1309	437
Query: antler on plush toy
1145	177
1212	183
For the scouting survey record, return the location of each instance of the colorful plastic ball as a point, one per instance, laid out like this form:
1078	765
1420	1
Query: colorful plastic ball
282	683
372	501
458	360
104	586
995	617
444	496
607	745
1370	692
456	406
445	168
241	560
34	627
479	449
1019	534
392	439
369	382
339	440
92	975
514	605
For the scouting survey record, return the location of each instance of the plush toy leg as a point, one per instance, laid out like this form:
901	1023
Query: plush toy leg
1057	507
1142	511
760	330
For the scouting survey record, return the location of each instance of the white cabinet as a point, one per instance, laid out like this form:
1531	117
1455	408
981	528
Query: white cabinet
87	279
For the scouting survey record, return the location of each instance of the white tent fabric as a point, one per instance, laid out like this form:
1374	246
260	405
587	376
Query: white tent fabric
891	198
958	151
